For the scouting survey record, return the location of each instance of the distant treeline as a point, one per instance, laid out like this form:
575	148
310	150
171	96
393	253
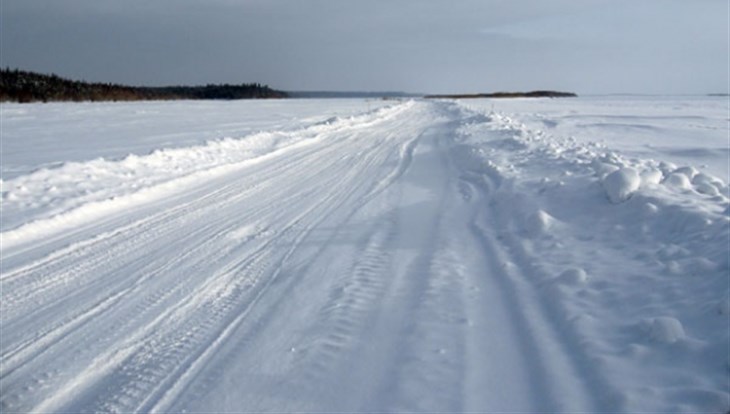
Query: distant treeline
533	94
23	86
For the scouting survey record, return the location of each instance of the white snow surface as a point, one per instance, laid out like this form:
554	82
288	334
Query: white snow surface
350	256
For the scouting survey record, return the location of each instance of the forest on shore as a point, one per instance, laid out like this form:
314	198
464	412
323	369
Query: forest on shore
531	94
25	86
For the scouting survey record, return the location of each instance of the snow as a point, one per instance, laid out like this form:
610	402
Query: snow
573	276
680	130
665	329
114	130
60	196
350	256
621	184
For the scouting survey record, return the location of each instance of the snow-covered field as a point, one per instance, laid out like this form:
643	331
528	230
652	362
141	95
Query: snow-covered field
352	256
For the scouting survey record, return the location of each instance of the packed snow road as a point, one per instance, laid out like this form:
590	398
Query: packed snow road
419	257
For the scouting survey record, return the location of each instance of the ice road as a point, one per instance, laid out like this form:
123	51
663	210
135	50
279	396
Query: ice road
421	256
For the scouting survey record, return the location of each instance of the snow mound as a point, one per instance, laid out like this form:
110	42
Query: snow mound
678	181
621	184
539	223
706	178
688	171
707	189
603	169
665	329
707	184
651	176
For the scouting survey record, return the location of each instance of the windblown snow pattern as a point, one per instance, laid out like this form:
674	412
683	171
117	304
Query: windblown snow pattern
353	256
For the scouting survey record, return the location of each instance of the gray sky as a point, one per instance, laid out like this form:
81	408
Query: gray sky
586	46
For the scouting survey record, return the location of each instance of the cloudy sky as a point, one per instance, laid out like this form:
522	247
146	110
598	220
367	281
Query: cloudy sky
432	46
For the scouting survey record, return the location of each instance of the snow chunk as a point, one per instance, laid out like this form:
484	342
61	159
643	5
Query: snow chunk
573	276
706	178
651	177
707	189
603	169
620	185
667	167
664	329
689	172
678	181
539	223
707	184
244	233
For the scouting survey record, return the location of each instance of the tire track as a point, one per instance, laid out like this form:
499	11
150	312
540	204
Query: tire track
267	312
549	369
153	313
424	372
169	357
377	153
88	264
350	305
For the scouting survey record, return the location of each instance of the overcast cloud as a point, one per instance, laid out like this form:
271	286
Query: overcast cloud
587	46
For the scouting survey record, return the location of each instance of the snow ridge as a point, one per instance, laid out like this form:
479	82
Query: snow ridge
75	192
630	262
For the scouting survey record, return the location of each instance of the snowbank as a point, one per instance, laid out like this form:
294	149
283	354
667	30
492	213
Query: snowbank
70	193
638	266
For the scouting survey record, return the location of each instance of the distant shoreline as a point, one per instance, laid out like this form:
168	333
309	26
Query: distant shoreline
532	94
25	86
